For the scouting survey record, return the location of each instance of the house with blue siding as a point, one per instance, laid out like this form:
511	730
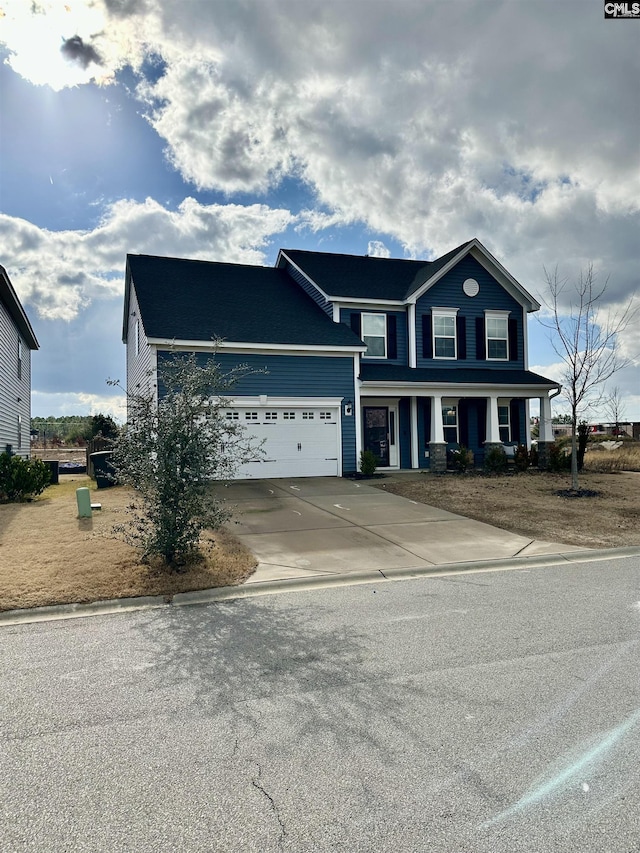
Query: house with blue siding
17	340
408	359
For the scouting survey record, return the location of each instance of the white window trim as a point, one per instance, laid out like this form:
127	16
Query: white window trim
444	312
450	404
372	314
495	315
505	404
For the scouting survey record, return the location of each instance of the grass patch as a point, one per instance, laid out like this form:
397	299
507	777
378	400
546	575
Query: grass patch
530	504
599	460
50	556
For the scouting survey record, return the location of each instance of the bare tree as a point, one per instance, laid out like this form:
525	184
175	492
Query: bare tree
614	406
585	335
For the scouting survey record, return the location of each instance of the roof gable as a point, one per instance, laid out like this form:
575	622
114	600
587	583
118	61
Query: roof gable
187	300
492	266
9	298
361	277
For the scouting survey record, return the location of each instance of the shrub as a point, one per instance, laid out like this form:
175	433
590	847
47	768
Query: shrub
521	457
368	463
558	460
533	456
461	459
495	461
170	451
21	479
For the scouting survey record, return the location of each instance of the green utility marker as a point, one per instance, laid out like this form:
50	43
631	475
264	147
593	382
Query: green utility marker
84	502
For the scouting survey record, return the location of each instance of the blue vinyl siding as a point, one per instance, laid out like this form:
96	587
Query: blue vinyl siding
402	337
295	376
448	293
309	289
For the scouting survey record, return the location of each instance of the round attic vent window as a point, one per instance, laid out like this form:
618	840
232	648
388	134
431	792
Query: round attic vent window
471	287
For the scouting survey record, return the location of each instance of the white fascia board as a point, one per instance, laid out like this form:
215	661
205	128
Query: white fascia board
282	254
492	266
452	389
260	349
267	401
350	301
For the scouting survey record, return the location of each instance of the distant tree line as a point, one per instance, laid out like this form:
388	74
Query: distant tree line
74	430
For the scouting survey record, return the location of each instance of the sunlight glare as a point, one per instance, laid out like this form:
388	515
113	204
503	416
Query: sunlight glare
34	34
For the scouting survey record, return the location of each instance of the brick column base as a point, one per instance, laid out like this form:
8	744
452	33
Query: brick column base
438	456
489	445
543	454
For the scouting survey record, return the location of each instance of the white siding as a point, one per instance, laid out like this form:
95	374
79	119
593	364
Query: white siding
15	393
140	356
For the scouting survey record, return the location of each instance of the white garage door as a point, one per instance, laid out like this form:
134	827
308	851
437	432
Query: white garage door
297	441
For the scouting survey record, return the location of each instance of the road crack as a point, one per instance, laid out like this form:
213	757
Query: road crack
258	784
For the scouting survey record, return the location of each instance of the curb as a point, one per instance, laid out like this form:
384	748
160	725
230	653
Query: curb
208	596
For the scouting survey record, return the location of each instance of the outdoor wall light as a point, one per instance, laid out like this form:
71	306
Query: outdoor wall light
348	408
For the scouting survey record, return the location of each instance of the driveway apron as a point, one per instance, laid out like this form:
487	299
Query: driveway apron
325	525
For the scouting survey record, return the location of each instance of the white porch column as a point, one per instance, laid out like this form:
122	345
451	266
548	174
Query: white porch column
545	430
493	426
411	322
415	452
437	431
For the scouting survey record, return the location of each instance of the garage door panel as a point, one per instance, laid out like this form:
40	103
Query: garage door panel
297	441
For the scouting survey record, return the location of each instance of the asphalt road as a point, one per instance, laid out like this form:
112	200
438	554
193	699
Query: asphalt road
479	712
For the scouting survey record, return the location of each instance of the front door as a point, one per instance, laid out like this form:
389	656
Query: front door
376	432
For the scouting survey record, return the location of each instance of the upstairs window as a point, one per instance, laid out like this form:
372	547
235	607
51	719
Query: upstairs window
19	358
374	334
444	334
497	331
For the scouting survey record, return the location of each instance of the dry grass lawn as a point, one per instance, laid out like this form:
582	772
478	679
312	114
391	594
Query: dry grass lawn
527	504
50	556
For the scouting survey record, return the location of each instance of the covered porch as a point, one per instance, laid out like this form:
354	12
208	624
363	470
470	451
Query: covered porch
415	428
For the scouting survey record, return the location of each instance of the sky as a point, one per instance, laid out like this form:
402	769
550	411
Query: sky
224	130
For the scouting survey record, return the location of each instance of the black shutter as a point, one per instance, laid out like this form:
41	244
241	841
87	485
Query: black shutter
427	348
513	340
392	336
481	352
515	421
461	333
356	323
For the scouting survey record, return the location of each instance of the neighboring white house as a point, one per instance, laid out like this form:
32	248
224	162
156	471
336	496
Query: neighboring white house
16	342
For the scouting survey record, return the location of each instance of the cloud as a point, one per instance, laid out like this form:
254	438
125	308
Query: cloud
45	404
59	273
377	249
76	50
426	121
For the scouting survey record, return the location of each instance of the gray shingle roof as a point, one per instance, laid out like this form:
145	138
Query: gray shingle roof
9	298
460	374
200	300
364	277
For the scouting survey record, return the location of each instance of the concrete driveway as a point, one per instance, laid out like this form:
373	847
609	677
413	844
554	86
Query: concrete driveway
324	525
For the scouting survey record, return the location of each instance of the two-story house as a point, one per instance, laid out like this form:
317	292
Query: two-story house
16	342
405	358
